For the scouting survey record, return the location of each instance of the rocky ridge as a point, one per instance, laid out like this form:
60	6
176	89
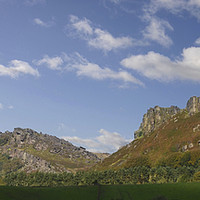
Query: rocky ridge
168	139
42	152
157	116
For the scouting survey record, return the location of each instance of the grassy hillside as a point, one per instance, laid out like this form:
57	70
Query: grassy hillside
175	143
181	191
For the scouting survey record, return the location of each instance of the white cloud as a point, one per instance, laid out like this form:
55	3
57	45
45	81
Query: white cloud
94	71
170	5
105	41
82	67
53	63
42	23
101	143
81	26
156	31
1	106
17	68
156	28
158	67
98	38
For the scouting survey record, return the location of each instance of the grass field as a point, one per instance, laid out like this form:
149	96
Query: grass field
180	191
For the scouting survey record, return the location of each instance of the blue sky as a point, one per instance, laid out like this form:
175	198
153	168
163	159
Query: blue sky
88	70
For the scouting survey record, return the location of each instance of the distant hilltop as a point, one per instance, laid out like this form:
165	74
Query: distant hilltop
157	116
29	151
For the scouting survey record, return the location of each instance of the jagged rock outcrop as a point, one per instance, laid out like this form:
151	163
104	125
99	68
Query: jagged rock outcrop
193	105
157	116
154	118
42	152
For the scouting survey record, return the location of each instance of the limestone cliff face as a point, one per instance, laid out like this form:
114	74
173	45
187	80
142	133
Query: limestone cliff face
154	118
157	116
193	105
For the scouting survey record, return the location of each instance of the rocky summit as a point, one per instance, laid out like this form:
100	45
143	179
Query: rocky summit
157	116
28	150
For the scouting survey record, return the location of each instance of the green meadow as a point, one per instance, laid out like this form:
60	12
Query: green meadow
178	191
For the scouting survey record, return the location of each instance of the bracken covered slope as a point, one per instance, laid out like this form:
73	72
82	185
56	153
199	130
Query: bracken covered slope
174	142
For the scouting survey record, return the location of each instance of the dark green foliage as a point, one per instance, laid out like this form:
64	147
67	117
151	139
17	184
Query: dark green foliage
179	191
140	161
136	175
197	176
185	159
160	198
178	159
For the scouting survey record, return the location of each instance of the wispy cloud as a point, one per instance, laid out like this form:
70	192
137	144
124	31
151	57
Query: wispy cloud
34	2
101	143
1	106
175	7
10	107
105	41
115	1
42	23
99	38
17	68
159	67
197	42
83	68
62	127
82	27
53	63
156	31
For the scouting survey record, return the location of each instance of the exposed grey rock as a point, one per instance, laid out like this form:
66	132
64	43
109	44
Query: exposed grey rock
154	118
196	128
31	163
27	145
190	145
157	116
193	105
184	148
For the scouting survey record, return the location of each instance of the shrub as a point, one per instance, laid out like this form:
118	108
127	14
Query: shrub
196	176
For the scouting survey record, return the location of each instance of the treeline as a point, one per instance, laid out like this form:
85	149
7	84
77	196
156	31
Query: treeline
136	175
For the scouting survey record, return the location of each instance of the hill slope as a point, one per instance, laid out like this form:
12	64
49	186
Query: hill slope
27	150
174	142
